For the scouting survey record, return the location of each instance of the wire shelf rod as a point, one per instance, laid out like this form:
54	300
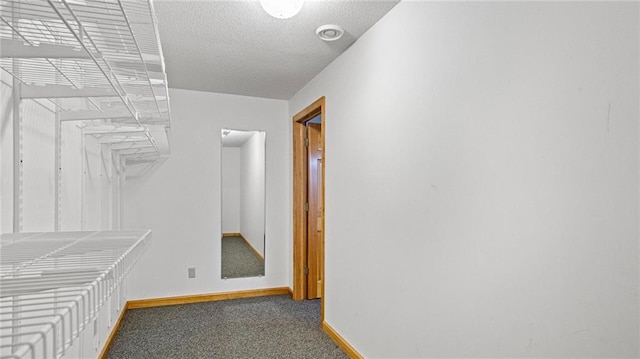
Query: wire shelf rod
82	304
45	256
125	100
139	52
74	306
121	40
48	60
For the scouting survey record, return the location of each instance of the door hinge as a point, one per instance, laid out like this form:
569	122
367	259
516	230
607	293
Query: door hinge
306	141
306	207
306	270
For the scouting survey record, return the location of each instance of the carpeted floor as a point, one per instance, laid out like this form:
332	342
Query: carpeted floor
264	327
239	260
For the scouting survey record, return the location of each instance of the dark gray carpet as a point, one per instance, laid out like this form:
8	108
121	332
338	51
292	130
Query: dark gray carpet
239	260
264	327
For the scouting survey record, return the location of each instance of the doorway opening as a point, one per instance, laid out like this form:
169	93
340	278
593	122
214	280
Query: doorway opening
308	203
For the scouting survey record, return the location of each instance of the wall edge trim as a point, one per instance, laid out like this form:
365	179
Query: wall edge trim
114	330
255	251
234	234
341	342
198	298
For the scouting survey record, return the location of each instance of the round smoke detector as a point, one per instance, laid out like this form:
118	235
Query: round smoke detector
329	32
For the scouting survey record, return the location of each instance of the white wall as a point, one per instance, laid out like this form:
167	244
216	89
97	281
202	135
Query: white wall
230	166
482	181
6	153
38	169
88	175
252	190
91	184
181	201
72	161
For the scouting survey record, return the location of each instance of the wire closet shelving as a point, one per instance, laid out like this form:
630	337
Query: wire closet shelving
95	61
99	64
54	284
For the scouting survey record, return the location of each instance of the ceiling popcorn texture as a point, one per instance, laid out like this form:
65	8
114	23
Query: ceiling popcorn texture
235	47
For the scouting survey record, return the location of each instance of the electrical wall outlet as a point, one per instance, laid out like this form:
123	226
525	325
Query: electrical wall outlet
192	272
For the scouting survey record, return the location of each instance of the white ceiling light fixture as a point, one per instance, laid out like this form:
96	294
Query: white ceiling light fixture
329	32
282	9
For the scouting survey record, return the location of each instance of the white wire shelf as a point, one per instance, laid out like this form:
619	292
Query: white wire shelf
94	60
52	285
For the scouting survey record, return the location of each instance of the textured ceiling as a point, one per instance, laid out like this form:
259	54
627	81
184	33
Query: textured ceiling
236	47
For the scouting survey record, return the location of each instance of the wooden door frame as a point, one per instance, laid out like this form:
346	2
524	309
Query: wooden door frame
300	177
